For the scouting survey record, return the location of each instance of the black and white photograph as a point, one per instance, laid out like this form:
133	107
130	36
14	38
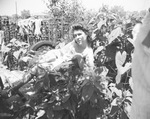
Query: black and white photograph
74	59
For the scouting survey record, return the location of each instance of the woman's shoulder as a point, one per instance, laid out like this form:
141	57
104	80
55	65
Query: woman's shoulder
88	52
89	49
69	46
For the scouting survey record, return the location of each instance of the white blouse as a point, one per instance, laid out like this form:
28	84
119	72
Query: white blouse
57	56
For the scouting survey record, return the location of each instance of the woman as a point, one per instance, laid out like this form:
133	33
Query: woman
79	48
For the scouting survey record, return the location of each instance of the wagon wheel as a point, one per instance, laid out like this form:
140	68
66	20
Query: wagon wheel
42	46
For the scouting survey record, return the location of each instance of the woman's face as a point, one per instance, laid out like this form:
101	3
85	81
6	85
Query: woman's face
80	37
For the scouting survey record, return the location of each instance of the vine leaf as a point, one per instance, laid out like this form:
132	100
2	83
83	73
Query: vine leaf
65	97
87	92
50	113
69	105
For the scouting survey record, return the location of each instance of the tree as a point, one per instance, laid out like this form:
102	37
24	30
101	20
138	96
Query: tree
143	13
14	18
25	14
104	8
71	11
53	7
118	10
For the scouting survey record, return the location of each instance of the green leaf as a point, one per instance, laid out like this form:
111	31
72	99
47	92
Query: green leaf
98	84
114	102
58	114
52	99
50	113
114	110
84	83
87	92
120	58
57	106
124	115
128	100
93	113
102	102
99	70
94	98
69	105
116	91
65	97
40	113
38	85
118	77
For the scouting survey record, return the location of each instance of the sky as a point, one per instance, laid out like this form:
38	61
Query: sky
8	7
129	5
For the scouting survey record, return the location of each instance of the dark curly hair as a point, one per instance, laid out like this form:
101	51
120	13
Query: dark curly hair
80	26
